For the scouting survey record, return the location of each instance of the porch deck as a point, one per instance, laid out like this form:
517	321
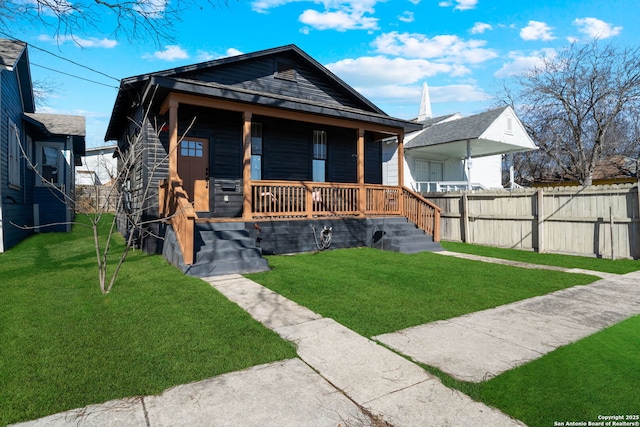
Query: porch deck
301	200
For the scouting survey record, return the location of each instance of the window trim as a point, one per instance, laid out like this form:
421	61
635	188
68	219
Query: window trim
13	165
319	157
256	157
39	145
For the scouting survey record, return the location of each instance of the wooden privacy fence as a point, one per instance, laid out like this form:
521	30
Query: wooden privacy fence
601	221
92	198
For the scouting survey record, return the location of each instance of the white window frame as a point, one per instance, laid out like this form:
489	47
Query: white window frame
14	155
39	162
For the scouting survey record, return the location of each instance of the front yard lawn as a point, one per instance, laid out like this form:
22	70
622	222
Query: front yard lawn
595	376
375	292
64	345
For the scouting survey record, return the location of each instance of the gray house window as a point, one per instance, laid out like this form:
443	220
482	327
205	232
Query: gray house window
286	71
14	154
256	151
319	155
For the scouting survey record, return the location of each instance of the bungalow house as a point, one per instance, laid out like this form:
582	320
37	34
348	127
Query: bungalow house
33	199
262	152
457	153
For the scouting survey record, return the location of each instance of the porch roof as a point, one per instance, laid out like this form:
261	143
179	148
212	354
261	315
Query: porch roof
49	125
482	131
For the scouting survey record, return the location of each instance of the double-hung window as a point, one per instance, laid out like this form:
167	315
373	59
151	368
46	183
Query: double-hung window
50	161
14	154
319	155
256	151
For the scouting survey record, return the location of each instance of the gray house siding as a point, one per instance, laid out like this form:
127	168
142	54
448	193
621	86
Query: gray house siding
258	74
16	202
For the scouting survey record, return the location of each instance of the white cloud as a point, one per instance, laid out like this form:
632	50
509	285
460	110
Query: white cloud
263	6
595	28
151	8
170	53
536	30
480	27
341	20
457	93
459	4
406	17
233	52
370	71
204	56
81	42
521	63
340	15
447	48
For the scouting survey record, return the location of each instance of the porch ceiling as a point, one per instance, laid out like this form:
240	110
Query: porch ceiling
458	149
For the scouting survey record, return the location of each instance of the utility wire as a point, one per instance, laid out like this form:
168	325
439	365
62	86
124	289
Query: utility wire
74	76
68	60
74	63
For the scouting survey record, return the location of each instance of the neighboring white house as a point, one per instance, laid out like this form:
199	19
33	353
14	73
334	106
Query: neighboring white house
453	152
99	166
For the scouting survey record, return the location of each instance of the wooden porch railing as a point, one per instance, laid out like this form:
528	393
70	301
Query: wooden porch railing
174	205
421	212
303	199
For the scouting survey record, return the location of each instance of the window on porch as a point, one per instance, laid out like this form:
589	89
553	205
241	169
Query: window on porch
256	151
319	155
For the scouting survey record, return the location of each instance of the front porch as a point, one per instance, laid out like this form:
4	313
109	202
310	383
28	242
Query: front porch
315	206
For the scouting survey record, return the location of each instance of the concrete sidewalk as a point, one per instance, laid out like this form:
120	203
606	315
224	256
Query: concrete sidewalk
481	345
340	379
344	379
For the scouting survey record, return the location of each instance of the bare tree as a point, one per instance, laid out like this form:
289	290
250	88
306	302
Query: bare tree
155	19
577	107
130	210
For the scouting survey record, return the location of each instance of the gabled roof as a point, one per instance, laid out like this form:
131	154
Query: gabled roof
60	125
483	131
14	58
10	52
180	79
440	119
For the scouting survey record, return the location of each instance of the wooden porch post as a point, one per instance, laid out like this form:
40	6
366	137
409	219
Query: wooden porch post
401	159
173	140
246	166
362	199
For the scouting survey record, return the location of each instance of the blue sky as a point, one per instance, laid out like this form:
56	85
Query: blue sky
463	49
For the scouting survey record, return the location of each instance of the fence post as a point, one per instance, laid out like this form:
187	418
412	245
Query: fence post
465	218
540	215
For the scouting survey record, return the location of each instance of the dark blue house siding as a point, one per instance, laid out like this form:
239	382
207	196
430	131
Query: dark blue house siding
16	202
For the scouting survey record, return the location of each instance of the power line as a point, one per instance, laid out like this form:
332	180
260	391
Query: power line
74	76
74	63
68	60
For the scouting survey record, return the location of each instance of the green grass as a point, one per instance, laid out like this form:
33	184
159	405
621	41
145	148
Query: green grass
598	375
374	292
619	266
65	345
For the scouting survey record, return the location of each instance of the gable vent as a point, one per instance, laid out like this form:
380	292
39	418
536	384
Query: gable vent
285	70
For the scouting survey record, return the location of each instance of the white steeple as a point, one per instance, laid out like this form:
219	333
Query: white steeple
425	104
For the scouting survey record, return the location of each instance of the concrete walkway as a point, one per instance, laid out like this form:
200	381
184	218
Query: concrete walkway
481	345
600	274
344	379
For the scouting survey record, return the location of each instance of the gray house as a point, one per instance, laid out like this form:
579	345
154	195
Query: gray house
33	197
